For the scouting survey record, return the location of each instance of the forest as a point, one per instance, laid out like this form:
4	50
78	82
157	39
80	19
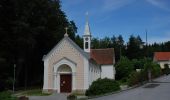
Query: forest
29	29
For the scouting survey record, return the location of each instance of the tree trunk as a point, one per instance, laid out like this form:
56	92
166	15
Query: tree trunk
149	75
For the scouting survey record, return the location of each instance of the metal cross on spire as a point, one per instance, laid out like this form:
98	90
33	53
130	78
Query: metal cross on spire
66	31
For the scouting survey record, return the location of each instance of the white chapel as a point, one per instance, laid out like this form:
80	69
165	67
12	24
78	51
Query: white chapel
68	68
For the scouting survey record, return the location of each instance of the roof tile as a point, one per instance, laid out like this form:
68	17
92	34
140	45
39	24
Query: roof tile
103	56
161	56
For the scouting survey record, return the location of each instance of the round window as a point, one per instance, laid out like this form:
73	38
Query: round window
86	39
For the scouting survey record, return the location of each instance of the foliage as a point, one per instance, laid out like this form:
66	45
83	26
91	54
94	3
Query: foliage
166	69
71	97
123	68
156	71
133	78
28	30
137	77
102	86
6	96
133	47
138	63
152	69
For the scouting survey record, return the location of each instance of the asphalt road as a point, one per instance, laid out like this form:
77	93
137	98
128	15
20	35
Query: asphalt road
157	90
51	97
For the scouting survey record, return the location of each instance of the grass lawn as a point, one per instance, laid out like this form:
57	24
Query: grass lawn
6	95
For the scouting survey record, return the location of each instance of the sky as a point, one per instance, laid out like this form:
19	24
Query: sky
121	17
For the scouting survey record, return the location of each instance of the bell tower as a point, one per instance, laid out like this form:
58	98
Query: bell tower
87	36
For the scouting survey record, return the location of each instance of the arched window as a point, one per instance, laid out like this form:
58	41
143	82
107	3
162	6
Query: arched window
86	45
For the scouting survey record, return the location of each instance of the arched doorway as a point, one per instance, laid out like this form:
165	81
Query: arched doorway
65	74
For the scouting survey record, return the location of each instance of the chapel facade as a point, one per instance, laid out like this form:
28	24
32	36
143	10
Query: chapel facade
68	68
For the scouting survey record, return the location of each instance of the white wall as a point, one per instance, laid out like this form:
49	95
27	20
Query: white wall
86	74
108	71
45	85
162	63
94	72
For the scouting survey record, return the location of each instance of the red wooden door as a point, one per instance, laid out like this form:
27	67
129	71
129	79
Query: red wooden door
65	83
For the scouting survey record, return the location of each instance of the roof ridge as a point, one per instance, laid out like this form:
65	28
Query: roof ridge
71	42
102	49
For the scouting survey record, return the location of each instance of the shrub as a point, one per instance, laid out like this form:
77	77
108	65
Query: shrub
156	71
123	68
166	69
134	78
137	77
71	97
152	69
102	86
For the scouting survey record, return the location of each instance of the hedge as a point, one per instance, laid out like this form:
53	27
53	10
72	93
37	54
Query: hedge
102	86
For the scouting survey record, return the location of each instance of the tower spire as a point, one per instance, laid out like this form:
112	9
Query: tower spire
87	15
87	28
87	36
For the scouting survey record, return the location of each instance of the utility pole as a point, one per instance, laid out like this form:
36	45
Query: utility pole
14	79
147	55
146	37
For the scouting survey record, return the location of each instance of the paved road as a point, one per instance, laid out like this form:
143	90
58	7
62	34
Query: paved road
157	90
51	97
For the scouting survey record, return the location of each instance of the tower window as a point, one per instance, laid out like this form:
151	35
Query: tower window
86	39
86	45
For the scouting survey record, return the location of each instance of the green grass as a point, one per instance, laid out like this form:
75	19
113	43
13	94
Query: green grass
6	95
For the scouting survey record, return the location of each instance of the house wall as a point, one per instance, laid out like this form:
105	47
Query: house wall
162	63
108	71
94	72
45	85
86	73
65	49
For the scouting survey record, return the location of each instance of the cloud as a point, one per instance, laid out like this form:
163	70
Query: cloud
163	4
110	5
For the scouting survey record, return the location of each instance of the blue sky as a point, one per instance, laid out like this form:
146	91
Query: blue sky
124	17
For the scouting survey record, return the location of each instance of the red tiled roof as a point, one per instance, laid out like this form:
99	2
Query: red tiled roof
103	56
158	56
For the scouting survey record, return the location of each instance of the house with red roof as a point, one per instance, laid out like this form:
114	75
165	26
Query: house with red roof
162	58
68	68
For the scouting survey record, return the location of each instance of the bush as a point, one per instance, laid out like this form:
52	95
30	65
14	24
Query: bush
137	77
6	96
133	78
156	71
71	97
102	86
123	68
166	69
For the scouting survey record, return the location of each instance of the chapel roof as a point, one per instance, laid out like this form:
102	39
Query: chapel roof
72	43
161	56
103	56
